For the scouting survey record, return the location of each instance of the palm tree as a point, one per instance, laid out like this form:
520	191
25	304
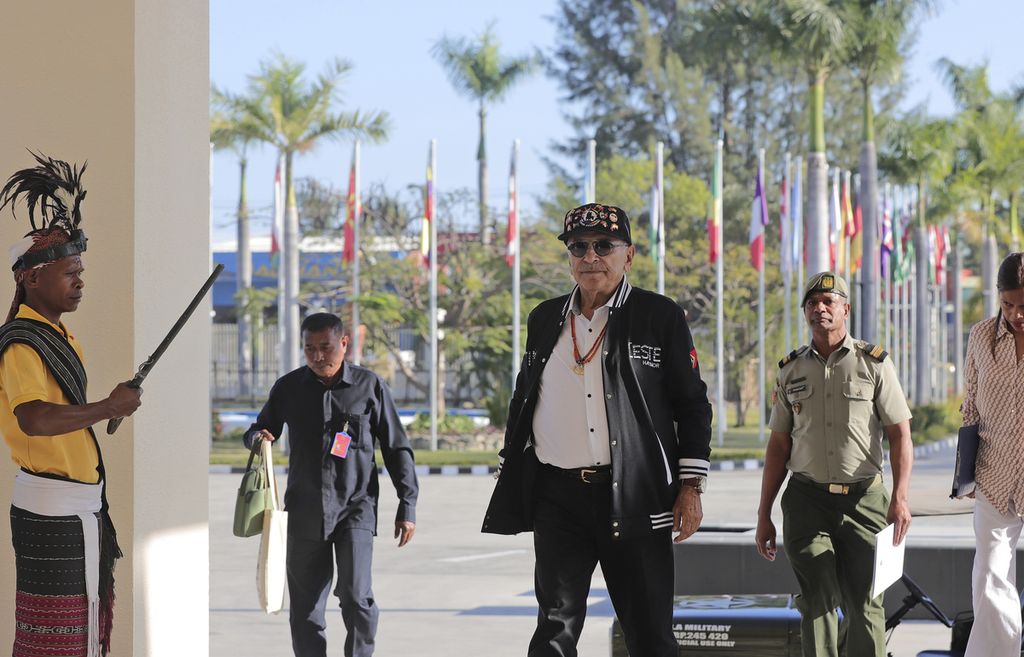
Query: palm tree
293	114
990	152
812	32
919	153
878	29
231	130
478	71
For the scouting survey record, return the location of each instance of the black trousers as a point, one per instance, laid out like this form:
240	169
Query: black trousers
310	566
572	534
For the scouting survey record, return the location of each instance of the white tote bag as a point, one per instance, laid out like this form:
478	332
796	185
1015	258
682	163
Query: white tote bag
270	570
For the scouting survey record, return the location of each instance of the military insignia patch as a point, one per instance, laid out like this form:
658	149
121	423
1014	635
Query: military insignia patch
828	282
796	408
693	358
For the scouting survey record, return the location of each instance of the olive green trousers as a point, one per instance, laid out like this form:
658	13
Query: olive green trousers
830	542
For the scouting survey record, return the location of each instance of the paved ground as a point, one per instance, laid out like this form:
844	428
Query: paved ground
454	592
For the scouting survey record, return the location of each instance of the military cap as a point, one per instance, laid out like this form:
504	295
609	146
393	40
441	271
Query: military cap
826	281
596	218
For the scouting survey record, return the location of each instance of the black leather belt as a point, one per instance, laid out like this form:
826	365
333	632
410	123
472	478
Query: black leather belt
595	474
837	489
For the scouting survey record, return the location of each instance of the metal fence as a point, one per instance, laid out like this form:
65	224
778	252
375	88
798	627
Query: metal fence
462	386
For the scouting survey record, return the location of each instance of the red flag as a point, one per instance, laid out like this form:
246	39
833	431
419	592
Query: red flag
758	220
428	213
940	252
349	252
275	246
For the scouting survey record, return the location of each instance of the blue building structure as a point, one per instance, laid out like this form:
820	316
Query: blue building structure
318	266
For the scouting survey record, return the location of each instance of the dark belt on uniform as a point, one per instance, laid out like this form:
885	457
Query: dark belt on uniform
595	474
836	489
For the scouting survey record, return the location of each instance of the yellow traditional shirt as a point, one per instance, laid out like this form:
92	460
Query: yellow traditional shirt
994	400
24	378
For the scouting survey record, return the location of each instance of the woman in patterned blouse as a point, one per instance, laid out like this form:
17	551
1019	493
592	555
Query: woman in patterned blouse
994	399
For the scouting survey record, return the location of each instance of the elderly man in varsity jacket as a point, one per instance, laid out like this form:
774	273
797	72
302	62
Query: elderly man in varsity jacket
607	444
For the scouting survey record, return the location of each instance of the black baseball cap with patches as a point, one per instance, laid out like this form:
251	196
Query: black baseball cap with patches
826	281
596	218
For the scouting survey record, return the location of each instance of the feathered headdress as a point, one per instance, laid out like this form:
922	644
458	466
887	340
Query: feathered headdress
54	188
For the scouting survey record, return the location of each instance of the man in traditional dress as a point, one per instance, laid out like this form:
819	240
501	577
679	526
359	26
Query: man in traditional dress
64	543
607	444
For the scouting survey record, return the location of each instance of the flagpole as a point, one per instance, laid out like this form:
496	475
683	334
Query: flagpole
432	195
847	240
514	197
760	307
660	200
357	343
279	203
590	190
786	254
719	295
798	226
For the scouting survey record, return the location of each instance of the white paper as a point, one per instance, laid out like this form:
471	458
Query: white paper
888	560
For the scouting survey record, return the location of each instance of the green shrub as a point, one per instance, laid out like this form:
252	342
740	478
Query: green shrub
935	421
497	406
448	424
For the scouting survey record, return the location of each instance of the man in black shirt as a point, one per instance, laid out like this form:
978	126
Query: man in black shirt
335	411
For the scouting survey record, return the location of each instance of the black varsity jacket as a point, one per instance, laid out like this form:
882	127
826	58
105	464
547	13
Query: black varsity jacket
659	418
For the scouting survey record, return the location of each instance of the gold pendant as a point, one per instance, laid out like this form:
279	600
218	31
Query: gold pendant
578	369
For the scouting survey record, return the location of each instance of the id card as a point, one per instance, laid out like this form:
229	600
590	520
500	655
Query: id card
342	440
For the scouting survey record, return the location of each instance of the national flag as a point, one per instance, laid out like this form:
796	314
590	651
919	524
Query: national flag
853	230
758	220
903	239
588	193
835	225
785	223
715	211
428	214
277	226
939	252
887	246
797	211
656	221
348	254
512	232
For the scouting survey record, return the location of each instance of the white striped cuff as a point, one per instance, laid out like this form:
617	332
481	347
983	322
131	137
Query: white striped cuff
661	520
693	468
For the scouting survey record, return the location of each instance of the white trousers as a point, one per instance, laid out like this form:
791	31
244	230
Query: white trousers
997	617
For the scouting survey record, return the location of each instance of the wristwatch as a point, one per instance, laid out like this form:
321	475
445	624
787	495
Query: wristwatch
699	483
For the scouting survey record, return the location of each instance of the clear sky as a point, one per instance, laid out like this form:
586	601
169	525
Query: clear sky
388	43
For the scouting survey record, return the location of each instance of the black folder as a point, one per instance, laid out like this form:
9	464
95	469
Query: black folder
966	456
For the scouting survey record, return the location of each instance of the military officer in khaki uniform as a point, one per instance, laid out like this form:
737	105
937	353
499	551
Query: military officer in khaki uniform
833	401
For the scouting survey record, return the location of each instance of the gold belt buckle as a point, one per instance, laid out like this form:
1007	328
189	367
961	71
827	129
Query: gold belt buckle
583	475
839	489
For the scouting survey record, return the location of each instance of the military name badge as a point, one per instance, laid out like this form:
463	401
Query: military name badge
342	441
796	408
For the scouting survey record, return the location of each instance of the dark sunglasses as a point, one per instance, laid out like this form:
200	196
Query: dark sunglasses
601	247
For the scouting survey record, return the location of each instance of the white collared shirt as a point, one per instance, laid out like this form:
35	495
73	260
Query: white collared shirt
570	423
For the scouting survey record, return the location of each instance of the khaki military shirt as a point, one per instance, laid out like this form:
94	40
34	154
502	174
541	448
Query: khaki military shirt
835	410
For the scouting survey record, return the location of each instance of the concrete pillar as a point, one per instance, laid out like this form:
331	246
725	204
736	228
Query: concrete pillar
124	84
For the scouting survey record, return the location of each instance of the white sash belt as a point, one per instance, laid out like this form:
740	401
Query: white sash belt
53	497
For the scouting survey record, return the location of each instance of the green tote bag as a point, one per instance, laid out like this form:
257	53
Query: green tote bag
254	493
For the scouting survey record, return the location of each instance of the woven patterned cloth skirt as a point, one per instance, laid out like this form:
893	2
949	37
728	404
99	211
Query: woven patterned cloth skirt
51	607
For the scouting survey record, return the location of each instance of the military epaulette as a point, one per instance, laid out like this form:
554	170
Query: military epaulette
873	350
793	354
